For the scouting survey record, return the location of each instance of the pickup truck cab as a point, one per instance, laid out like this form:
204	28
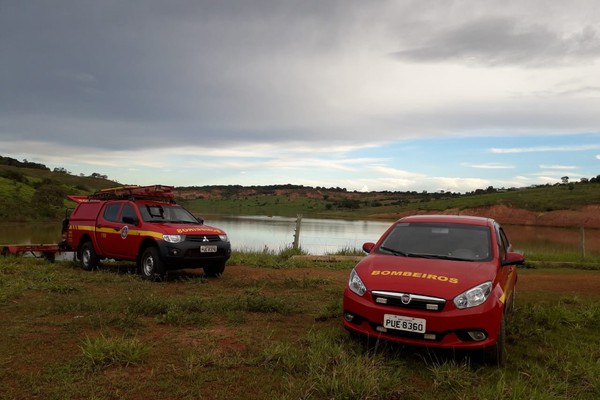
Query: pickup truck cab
146	226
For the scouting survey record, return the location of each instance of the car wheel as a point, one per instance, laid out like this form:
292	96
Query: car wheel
496	354
89	259
151	266
214	270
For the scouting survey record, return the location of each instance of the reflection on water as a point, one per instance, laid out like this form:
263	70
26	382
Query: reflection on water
317	236
324	236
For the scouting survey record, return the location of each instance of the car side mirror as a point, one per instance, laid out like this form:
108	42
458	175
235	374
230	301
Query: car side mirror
513	258
368	247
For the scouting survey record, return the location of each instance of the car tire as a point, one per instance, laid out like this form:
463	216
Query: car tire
89	259
214	270
513	300
496	355
151	266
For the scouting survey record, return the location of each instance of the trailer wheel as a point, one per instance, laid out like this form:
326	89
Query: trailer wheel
89	259
151	266
51	257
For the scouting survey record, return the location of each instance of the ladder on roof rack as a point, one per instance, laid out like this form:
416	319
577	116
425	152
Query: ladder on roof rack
160	192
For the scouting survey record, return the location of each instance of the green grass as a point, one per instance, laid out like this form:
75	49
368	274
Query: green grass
102	352
273	331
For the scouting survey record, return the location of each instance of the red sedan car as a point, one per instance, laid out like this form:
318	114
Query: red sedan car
438	281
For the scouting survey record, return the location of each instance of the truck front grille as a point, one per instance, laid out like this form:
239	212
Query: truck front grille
203	238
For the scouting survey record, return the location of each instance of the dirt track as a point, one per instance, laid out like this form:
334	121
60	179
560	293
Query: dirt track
566	281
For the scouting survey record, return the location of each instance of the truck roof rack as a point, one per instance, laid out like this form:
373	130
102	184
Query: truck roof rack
153	192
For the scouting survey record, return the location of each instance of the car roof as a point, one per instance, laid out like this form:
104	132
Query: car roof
449	219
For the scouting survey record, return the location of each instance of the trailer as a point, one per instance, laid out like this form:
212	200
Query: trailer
47	251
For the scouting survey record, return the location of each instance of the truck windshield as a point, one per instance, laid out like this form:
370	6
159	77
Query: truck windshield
166	213
444	241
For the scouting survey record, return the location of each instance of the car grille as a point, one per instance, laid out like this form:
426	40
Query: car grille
407	300
203	238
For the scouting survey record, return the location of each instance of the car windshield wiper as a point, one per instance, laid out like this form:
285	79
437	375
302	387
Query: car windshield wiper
440	257
394	251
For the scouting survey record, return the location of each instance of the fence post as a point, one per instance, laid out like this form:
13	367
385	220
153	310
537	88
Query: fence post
582	242
297	232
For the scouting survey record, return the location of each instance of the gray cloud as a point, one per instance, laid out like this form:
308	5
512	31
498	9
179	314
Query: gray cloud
147	74
499	41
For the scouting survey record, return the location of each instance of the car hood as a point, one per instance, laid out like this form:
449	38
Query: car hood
189	229
429	277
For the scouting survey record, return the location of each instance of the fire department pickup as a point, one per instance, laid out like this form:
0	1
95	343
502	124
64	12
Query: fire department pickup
435	281
144	224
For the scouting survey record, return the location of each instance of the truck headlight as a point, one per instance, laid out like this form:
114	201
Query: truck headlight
174	238
474	297
224	238
356	285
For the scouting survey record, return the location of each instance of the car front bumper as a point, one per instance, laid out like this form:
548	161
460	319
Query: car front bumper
449	328
191	255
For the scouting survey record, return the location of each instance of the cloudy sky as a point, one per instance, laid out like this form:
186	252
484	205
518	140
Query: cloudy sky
365	95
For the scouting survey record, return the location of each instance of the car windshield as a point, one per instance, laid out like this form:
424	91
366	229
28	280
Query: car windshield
166	213
438	240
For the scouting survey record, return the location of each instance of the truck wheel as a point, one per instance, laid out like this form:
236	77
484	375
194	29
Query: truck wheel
496	354
89	259
151	266
214	270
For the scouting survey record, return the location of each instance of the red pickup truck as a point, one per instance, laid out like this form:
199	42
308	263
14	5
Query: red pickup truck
143	224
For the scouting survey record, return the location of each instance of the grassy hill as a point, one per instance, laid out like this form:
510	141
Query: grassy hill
31	191
338	203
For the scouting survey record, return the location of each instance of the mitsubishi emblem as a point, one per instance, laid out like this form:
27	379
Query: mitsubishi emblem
205	239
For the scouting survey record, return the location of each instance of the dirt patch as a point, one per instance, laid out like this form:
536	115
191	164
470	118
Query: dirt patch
587	216
563	281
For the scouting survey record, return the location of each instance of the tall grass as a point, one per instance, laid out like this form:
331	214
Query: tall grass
101	352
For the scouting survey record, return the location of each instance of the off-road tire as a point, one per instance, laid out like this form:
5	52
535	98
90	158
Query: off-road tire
89	259
214	270
151	266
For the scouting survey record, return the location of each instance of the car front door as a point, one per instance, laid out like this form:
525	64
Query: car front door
108	229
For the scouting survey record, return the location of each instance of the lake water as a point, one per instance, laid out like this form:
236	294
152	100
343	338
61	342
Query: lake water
325	236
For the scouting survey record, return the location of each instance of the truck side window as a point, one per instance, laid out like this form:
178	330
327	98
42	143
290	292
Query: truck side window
111	211
128	212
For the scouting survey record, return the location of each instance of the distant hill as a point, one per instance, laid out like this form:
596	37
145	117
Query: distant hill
31	191
568	204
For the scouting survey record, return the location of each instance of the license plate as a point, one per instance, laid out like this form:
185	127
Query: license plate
208	249
407	324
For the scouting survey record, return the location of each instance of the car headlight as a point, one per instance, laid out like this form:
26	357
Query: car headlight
174	238
475	296
224	238
356	285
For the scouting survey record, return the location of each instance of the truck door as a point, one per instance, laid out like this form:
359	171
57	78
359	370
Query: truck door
130	238
108	229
